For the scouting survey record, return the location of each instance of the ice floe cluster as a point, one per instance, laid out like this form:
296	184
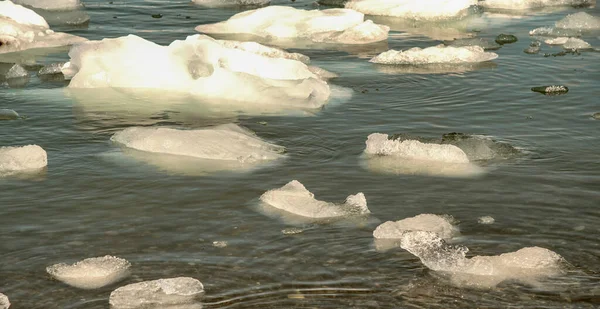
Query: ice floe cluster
440	54
161	293
572	25
22	28
276	23
91	273
419	10
22	159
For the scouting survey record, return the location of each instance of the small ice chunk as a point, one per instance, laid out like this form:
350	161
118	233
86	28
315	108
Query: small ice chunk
13	159
419	10
225	142
91	273
441	225
485	220
575	43
554	89
230	3
4	303
557	41
8	114
161	293
571	25
435	55
296	199
528	4
51	69
341	26
16	71
380	145
51	5
220	243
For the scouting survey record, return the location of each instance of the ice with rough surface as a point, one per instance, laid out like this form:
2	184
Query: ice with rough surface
441	225
528	4
296	199
25	158
16	71
229	3
51	5
22	28
199	67
435	55
526	265
571	25
51	69
161	293
341	26
380	145
4	302
425	9
91	273
575	43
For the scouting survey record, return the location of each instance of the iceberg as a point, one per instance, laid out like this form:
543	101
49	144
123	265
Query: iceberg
571	26
418	10
4	303
22	159
529	4
91	273
198	67
278	24
441	225
51	5
161	293
294	198
22	28
439	54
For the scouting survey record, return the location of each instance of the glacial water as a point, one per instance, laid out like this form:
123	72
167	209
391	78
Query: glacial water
170	220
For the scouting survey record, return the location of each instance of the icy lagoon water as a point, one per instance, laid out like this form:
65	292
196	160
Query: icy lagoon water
93	199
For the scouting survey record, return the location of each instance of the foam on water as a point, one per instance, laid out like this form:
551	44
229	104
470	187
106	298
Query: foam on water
427	9
526	265
51	5
4	302
199	67
339	26
161	293
441	225
24	158
440	54
527	4
557	41
479	147
571	25
296	199
91	273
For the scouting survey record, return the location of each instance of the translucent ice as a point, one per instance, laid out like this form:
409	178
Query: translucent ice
557	41
571	25
380	145
526	265
25	158
228	3
275	23
16	71
435	55
4	303
296	199
527	4
161	293
441	225
575	43
51	5
427	9
91	273
486	220
199	67
479	147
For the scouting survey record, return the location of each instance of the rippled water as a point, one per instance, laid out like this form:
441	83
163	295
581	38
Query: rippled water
92	200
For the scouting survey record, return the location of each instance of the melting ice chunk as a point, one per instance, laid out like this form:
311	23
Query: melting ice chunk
527	4
486	220
51	5
230	3
8	114
575	43
441	225
91	273
341	26
25	158
571	25
435	54
427	9
296	199
16	71
4	303
161	293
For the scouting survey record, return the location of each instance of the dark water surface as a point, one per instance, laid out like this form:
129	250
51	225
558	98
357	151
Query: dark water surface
92	200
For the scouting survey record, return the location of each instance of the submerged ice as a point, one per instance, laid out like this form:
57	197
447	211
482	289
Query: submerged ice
380	145
440	54
91	273
198	67
25	158
296	199
161	293
273	23
419	10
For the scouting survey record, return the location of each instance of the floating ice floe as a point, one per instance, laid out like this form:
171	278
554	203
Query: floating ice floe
296	199
4	303
528	4
380	145
51	5
441	225
224	147
198	67
440	54
91	273
22	159
419	10
161	293
230	3
526	265
572	25
22	28
281	23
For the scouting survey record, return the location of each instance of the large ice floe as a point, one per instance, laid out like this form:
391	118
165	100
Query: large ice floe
527	265
180	293
22	28
278	24
219	148
529	4
419	10
295	199
439	54
4	302
572	25
91	273
200	68
17	159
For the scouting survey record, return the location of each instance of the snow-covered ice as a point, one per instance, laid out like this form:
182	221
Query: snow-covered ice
22	28
296	199
161	293
281	23
51	5
25	158
526	265
435	55
441	225
572	25
198	67
16	71
4	302
230	3
420	10
91	273
528	4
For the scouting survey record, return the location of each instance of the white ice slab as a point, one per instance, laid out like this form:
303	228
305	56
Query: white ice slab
91	273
